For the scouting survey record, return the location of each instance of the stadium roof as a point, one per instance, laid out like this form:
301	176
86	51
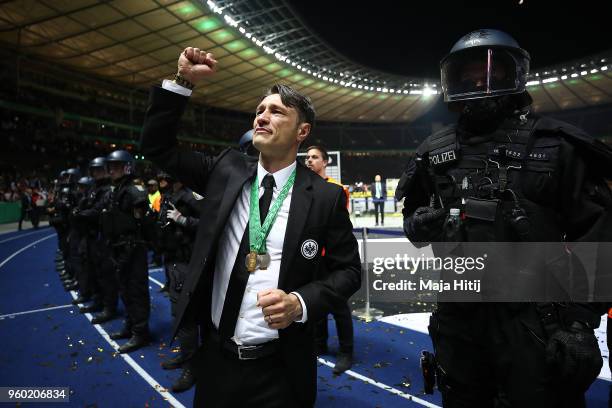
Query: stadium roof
257	43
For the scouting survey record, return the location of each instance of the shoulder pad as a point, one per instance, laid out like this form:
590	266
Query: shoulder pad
443	137
197	196
596	153
139	187
405	180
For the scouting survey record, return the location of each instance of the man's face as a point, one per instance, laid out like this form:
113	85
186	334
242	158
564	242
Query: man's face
152	188
377	178
116	170
276	127
315	162
476	73
163	183
98	173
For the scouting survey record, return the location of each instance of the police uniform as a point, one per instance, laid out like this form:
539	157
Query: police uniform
122	225
517	177
176	242
98	251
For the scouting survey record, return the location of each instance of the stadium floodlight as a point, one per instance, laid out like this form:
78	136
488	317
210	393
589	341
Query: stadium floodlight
325	78
604	68
564	77
248	35
427	91
574	75
242	30
416	92
213	6
406	91
531	83
583	73
229	20
548	80
595	70
359	86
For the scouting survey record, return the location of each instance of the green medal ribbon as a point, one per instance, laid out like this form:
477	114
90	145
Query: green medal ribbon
258	232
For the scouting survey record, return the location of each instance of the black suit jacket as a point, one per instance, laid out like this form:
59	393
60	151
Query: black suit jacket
317	212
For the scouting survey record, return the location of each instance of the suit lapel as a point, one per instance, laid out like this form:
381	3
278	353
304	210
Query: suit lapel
238	177
301	198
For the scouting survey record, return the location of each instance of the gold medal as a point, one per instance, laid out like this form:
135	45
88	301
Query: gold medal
251	261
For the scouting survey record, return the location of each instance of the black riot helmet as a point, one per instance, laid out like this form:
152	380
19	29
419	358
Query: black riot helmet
482	64
72	175
246	144
121	156
97	162
162	175
85	181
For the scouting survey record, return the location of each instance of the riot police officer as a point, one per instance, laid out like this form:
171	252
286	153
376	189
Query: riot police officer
98	252
178	222
68	238
509	176
123	225
84	271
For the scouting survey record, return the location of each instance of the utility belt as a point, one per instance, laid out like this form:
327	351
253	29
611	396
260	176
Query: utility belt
239	352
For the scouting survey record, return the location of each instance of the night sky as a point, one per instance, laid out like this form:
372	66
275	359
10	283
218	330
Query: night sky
410	37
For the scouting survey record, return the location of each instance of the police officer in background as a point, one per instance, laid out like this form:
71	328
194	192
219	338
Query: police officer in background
69	238
85	273
98	251
124	223
515	177
178	223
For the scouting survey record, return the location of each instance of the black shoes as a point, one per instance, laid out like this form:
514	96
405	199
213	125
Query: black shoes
134	343
123	334
343	363
173	363
185	381
96	307
104	316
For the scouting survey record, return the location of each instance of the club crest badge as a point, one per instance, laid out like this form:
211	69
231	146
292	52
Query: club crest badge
310	248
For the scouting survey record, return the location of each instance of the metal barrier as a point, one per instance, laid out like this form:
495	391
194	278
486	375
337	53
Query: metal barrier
369	313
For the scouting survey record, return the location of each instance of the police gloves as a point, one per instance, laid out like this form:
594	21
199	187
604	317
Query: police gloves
575	355
425	225
176	216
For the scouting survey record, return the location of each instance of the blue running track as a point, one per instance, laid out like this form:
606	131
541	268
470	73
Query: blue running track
44	341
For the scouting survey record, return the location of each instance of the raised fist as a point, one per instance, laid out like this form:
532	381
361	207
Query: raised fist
195	64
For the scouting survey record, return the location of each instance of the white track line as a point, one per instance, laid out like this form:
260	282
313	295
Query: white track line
22	235
33	311
14	254
141	371
382	386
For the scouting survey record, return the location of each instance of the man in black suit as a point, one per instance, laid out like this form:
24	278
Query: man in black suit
256	291
379	195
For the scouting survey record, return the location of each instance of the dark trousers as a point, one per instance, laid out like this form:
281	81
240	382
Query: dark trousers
188	332
133	277
105	276
503	365
344	328
379	207
225	381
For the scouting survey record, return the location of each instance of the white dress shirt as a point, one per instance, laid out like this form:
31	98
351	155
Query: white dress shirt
251	328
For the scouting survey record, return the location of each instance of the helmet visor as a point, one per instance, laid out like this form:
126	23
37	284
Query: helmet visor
479	73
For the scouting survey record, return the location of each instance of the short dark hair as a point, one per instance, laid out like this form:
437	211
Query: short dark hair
323	151
293	99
